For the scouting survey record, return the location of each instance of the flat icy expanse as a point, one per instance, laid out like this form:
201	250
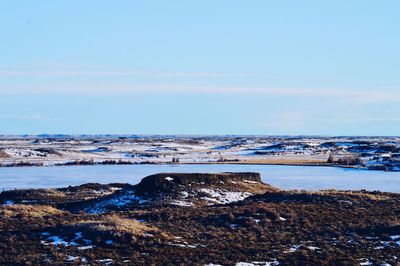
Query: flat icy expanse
286	177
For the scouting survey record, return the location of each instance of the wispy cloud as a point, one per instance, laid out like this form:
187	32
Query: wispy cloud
51	73
153	82
29	117
289	118
361	119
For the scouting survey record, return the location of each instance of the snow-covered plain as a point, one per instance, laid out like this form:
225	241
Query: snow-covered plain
372	152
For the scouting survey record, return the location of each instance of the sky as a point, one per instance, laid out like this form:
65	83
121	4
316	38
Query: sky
200	67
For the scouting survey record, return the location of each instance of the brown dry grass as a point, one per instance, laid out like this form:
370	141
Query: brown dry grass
255	188
341	194
28	211
115	225
53	193
376	197
3	154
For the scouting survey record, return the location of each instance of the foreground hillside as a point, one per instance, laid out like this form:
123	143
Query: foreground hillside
198	219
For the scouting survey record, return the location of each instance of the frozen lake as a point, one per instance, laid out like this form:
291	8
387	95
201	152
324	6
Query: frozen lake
286	177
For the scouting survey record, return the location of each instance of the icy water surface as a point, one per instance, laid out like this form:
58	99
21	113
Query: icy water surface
286	177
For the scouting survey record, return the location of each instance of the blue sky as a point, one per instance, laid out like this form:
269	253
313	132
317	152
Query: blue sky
200	67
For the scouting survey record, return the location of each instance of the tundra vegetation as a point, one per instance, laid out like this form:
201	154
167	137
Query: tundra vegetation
198	219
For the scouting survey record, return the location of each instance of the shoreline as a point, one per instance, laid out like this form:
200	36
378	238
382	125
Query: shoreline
309	164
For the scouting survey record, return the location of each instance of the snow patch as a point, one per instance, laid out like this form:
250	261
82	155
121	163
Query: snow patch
366	262
181	203
106	261
219	196
250	182
292	249
8	203
116	201
258	263
86	247
57	241
71	258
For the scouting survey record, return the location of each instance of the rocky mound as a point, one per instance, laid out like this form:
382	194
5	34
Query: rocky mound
172	189
183	189
167	182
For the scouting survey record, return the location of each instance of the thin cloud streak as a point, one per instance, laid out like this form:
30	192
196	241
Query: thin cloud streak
61	71
121	73
371	119
29	117
355	96
300	117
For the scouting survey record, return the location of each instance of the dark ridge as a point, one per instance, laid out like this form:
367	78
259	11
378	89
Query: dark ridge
379	230
94	186
169	181
321	197
22	194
